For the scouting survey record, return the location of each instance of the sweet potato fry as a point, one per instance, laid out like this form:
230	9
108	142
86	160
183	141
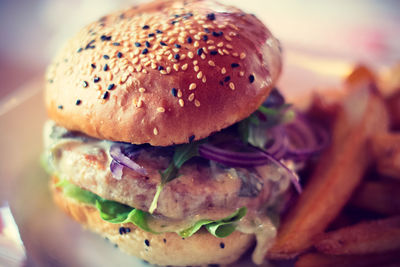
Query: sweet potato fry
318	260
363	238
386	149
360	75
380	197
340	170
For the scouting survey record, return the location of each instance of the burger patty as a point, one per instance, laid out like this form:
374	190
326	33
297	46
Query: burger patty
202	187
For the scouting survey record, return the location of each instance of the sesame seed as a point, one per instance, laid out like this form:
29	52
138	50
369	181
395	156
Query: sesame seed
165	240
235	65
214	52
241	73
196	44
106	57
163	44
232	85
192	86
190	54
184	67
160	68
105	38
142	90
223	70
137	44
79	50
211	16
147	44
229	46
221	245
177	46
96	79
195	62
111	86
93	65
197	103
242	56
217	34
203	56
116	44
200	51
227	79
191	138
85	84
174	92
151	35
179	93
251	78
147	242
200	75
196	68
176	56
145	27
158	31
211	63
181	103
204	79
205	37
145	51
163	72
220	44
189	40
105	68
191	97
60	107
105	95
206	30
160	109
78	102
176	67
119	54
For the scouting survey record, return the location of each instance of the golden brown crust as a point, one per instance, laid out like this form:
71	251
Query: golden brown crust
162	249
209	53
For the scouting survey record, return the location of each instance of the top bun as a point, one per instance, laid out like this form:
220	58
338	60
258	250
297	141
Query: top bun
163	73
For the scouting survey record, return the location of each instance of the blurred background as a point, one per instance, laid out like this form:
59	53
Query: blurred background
334	33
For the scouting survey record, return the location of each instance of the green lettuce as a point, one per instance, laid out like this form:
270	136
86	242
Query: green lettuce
115	212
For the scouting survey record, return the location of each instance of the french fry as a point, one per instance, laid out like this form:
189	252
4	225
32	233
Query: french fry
380	197
319	260
363	238
340	170
359	76
386	149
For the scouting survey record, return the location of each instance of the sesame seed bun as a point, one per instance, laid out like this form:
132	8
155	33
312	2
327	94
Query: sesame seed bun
163	73
162	249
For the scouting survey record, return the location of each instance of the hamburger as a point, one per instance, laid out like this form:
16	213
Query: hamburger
166	134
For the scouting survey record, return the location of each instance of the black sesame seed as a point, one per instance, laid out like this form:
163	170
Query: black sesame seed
151	34
177	56
137	44
111	86
158	31
221	245
106	57
128	230
93	65
163	44
89	45
211	16
178	46
145	51
235	65
200	51
173	22
227	79
85	84
221	82
174	92
206	30
116	44
79	50
50	81
214	52
189	40
96	79
105	38
105	95
251	78
122	231
160	67
145	27
105	68
191	138
177	15
60	107
78	102
119	54
165	240
147	44
205	37
217	34
147	242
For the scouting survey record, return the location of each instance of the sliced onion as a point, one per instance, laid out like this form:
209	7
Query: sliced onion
123	155
116	169
245	159
278	147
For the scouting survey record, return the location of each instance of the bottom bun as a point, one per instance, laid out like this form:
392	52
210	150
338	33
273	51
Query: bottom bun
162	249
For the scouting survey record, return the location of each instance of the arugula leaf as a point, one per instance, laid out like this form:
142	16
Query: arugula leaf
182	154
114	212
220	228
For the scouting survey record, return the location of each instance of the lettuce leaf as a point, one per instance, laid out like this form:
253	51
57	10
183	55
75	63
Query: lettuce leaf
115	212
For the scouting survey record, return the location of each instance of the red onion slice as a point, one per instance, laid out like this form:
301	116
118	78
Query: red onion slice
124	158
116	169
